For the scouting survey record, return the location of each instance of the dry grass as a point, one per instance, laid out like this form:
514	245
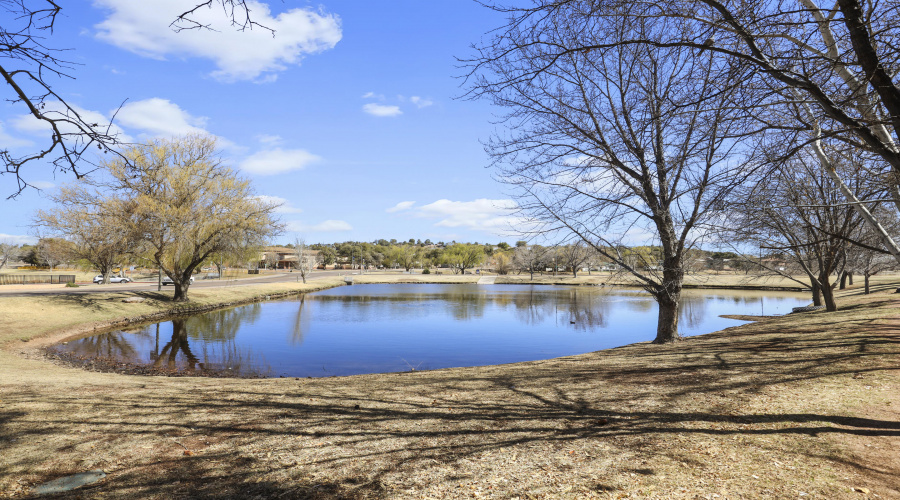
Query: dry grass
803	405
700	280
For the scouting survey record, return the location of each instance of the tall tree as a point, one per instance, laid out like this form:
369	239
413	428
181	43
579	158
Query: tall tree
837	60
613	141
181	200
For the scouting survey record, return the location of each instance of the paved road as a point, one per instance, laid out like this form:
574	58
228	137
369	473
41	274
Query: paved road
9	290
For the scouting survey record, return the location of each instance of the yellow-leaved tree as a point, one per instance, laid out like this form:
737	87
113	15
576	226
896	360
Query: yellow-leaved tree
180	199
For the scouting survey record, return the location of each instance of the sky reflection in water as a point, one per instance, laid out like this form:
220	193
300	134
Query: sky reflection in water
386	328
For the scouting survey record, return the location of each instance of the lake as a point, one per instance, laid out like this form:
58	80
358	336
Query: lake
387	328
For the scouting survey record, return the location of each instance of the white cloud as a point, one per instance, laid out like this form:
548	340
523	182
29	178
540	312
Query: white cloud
403	205
17	239
143	28
373	95
421	102
42	184
55	110
9	141
157	117
278	161
381	109
269	140
285	206
493	216
148	119
328	226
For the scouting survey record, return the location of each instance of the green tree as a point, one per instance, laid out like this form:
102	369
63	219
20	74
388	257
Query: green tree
461	256
407	256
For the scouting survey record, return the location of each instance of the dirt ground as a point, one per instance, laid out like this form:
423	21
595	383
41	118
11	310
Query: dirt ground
800	406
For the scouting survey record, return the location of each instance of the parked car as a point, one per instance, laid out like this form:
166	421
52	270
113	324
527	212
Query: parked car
112	279
168	281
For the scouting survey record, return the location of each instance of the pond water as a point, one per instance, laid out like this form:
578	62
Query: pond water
387	328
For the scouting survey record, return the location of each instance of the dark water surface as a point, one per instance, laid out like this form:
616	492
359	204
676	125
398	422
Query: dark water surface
386	328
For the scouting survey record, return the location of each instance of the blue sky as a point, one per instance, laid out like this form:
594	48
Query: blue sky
348	115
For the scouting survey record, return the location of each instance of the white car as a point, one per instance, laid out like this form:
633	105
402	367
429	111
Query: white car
112	279
168	281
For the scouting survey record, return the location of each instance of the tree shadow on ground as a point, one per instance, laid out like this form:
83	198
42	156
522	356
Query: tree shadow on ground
354	437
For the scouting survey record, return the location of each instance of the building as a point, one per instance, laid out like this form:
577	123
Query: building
285	258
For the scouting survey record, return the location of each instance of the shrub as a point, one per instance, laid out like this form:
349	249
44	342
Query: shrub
426	271
72	285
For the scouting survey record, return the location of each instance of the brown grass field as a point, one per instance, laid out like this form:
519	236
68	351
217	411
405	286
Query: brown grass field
799	406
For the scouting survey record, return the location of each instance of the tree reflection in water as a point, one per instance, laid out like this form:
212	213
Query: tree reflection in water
215	333
692	310
168	356
583	309
301	322
113	345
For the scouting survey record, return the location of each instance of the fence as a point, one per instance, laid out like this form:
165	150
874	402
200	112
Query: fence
34	279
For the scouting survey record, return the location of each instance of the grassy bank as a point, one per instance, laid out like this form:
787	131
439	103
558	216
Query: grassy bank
803	405
694	280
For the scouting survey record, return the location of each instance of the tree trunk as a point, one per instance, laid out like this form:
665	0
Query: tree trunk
827	293
867	283
574	272
816	294
843	280
181	292
850	278
667	325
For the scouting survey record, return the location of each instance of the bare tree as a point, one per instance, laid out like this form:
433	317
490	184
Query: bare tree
867	256
8	251
841	57
839	61
622	142
530	258
573	256
270	259
305	259
28	67
794	209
